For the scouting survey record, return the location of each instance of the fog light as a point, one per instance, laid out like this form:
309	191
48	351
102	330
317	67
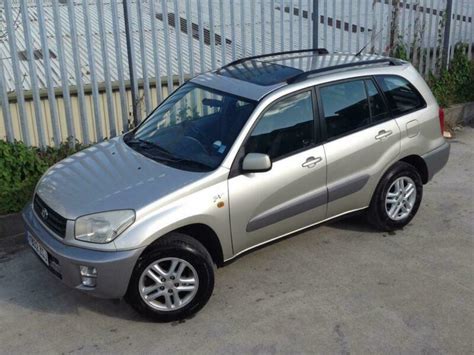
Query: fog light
88	281
88	275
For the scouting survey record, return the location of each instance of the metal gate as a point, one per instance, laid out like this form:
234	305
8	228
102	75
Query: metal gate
89	69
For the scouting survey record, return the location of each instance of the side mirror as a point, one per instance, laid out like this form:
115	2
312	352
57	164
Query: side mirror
256	162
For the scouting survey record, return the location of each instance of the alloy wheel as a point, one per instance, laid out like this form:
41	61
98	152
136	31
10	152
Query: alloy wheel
400	199
168	284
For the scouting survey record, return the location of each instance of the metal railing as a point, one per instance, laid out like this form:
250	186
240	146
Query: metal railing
89	69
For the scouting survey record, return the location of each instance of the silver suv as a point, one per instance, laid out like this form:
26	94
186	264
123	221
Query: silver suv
233	159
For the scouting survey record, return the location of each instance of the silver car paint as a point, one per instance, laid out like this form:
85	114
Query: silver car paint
195	203
109	176
166	199
113	268
359	157
256	162
429	136
258	199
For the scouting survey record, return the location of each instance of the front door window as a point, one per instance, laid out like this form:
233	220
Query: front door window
285	128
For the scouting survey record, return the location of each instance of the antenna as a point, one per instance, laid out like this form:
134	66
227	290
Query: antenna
370	40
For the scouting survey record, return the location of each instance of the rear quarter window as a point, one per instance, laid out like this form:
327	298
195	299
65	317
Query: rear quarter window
402	97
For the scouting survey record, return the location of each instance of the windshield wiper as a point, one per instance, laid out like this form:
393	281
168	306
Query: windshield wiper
148	148
147	145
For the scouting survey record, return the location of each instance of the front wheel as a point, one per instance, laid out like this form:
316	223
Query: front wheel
397	197
173	280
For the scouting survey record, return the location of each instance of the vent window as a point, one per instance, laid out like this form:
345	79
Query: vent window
330	20
183	24
37	54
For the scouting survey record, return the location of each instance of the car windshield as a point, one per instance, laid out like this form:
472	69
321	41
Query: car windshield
192	129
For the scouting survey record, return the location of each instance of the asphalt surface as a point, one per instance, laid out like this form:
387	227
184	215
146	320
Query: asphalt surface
338	288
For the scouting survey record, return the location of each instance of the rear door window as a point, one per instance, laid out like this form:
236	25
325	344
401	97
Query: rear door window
402	96
345	107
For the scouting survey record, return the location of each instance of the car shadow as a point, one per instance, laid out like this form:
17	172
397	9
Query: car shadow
28	284
356	222
38	290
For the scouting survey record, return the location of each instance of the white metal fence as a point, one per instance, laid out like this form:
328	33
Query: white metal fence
79	68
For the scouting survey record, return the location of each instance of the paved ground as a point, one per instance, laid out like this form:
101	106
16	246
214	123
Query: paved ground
337	288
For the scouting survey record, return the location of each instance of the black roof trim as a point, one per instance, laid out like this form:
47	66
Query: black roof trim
320	51
302	76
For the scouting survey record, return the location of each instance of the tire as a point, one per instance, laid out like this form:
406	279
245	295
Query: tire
378	215
171	249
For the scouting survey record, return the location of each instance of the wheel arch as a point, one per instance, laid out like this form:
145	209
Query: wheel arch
203	234
419	164
414	160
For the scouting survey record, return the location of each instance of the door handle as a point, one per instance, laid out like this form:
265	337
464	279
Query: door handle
383	134
311	162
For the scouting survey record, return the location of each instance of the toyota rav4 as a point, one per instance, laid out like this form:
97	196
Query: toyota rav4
233	159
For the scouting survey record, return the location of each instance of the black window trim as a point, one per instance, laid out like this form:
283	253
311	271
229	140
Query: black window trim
322	123
235	169
384	98
368	100
413	87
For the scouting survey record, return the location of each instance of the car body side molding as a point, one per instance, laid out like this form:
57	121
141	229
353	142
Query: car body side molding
307	202
347	187
288	209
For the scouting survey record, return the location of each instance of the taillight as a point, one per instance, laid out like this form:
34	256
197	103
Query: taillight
441	119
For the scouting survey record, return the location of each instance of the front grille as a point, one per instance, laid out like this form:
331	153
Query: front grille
50	218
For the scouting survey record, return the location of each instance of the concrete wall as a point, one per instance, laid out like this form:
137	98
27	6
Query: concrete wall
458	114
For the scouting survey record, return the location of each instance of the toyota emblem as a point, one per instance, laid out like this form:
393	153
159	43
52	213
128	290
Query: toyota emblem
44	213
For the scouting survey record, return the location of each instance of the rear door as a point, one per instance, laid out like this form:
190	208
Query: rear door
292	194
362	140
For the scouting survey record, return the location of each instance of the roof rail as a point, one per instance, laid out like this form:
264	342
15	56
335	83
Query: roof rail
302	76
319	51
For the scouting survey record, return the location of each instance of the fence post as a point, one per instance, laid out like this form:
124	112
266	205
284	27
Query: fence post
315	23
131	64
5	105
394	29
447	32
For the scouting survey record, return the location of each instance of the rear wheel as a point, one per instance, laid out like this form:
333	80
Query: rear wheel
173	280
397	197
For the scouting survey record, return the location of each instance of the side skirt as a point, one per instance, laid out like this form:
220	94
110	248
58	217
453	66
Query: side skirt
292	232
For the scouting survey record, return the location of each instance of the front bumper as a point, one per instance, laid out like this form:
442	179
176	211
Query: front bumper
114	268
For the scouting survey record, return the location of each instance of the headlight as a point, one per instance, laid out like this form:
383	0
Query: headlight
103	227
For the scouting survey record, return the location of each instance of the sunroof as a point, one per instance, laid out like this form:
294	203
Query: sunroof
260	73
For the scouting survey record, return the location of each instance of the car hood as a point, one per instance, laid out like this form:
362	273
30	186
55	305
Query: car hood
109	176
